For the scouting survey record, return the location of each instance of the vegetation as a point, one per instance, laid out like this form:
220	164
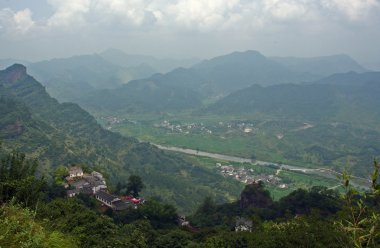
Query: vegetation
62	134
35	213
331	145
314	218
19	228
134	185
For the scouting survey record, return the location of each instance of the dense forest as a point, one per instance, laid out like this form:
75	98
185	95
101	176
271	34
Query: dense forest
35	213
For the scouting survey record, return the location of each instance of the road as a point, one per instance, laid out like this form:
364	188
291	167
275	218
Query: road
325	172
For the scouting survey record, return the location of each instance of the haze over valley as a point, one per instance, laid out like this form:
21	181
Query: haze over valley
189	123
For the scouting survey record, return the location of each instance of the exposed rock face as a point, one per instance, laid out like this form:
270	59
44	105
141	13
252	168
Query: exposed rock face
14	73
254	195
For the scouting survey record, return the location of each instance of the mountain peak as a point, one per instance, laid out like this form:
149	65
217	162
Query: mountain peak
249	54
15	72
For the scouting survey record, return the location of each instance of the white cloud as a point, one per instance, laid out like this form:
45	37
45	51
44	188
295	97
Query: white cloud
68	13
130	12
204	15
245	16
353	9
14	23
285	9
23	20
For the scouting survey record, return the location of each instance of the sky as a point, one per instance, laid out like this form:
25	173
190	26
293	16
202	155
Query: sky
44	29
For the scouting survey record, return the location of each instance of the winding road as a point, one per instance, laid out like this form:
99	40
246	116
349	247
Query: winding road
325	172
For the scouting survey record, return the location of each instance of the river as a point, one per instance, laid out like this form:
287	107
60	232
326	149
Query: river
325	172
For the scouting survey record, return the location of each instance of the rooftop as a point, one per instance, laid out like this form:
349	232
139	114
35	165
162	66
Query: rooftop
106	196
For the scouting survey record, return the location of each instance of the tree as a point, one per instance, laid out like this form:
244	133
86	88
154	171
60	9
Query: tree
17	179
362	222
134	185
20	228
59	175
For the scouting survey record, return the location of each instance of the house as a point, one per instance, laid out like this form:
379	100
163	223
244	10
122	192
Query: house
75	171
182	221
86	190
98	176
79	184
72	192
243	224
111	201
96	183
106	198
120	205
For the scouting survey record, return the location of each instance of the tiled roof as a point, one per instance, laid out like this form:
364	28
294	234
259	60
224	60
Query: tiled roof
94	181
80	183
120	205
106	196
75	169
86	190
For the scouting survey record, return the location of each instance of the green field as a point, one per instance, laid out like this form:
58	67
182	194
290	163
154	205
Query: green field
337	146
293	180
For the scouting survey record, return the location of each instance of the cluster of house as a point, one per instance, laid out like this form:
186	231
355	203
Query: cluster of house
185	128
245	127
247	176
111	121
95	184
200	127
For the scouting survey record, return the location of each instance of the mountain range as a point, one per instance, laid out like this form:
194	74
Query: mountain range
115	81
335	98
207	81
33	122
323	66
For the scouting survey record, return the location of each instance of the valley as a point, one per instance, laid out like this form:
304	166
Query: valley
187	123
245	142
330	145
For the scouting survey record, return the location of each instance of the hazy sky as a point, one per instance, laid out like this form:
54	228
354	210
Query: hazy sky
40	29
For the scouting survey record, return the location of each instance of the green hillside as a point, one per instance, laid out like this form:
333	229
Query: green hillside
38	125
335	98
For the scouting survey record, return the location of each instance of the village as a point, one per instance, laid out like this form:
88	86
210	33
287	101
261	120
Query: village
94	184
247	176
187	128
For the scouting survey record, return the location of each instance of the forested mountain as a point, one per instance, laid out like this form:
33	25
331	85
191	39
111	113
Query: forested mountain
98	81
238	70
70	78
340	113
37	124
121	58
85	69
140	96
324	65
231	72
328	99
208	79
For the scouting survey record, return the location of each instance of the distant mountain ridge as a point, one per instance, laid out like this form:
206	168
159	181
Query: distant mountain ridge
239	70
208	79
323	65
98	82
328	98
161	65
